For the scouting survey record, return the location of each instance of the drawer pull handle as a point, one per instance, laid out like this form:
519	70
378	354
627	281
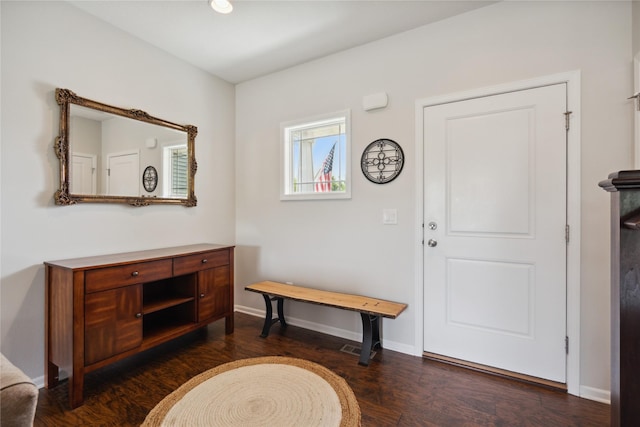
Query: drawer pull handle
204	261
138	315
201	295
135	274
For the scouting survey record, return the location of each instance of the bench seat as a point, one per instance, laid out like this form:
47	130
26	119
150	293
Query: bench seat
371	309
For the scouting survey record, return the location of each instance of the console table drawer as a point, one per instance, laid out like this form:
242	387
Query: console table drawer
113	277
203	261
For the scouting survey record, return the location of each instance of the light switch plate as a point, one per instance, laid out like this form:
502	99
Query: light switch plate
389	216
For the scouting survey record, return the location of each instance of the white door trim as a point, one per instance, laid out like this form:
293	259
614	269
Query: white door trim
572	79
636	89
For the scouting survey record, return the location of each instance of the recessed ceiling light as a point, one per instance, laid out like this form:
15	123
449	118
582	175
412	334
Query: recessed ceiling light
221	6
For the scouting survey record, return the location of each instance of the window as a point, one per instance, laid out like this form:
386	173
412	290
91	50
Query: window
315	155
175	171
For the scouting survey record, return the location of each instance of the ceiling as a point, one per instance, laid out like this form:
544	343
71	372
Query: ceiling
261	36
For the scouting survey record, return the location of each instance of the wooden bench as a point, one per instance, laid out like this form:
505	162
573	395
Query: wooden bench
371	309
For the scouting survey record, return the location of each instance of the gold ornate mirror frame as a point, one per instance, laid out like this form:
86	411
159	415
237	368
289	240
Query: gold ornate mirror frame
64	196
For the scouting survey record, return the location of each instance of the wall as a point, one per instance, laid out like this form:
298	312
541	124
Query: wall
342	245
52	44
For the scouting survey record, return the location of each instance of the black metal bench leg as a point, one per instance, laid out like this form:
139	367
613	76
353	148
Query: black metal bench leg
268	318
283	324
370	336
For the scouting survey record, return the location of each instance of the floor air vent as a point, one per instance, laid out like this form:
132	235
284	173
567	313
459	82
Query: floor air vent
351	349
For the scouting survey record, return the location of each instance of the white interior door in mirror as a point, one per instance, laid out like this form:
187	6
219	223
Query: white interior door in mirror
84	173
123	174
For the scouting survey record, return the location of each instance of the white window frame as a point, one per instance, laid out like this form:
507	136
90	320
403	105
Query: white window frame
286	156
167	171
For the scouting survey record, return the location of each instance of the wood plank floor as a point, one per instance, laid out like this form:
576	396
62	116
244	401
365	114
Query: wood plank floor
395	390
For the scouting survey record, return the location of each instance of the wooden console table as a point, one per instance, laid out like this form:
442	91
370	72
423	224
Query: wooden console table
104	308
625	297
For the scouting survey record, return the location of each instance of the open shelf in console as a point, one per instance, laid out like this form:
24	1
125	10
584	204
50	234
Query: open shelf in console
168	305
164	294
166	321
153	306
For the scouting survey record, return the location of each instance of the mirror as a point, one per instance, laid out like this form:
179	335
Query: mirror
114	155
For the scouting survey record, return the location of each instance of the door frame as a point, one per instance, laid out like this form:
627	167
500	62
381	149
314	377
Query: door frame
636	102
572	79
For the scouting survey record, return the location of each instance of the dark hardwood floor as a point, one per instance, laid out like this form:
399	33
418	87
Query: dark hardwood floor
395	390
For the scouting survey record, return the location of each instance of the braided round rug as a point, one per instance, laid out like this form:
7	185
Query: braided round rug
262	391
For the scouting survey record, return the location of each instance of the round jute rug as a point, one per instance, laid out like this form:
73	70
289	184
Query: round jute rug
262	391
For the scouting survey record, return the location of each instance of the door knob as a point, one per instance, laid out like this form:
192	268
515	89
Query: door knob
432	225
432	243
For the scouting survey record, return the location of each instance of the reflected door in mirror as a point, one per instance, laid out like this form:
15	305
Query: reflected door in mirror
84	173
122	174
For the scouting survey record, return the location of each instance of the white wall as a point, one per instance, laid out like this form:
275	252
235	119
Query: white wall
342	245
52	44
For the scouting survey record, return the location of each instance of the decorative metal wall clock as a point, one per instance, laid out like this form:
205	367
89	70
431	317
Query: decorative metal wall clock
150	178
382	161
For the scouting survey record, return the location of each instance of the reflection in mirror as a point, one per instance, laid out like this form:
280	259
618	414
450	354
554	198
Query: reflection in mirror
108	153
105	150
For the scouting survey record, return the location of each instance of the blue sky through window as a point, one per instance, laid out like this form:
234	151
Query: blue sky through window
320	149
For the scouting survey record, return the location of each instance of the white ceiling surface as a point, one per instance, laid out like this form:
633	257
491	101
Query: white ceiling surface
261	37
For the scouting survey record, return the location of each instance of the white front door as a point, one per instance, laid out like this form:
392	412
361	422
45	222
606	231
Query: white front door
123	174
495	218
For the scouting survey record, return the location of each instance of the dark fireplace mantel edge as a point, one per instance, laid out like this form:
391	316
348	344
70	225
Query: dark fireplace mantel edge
623	180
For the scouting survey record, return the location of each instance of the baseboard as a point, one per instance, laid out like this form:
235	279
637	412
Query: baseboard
597	394
38	381
329	330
